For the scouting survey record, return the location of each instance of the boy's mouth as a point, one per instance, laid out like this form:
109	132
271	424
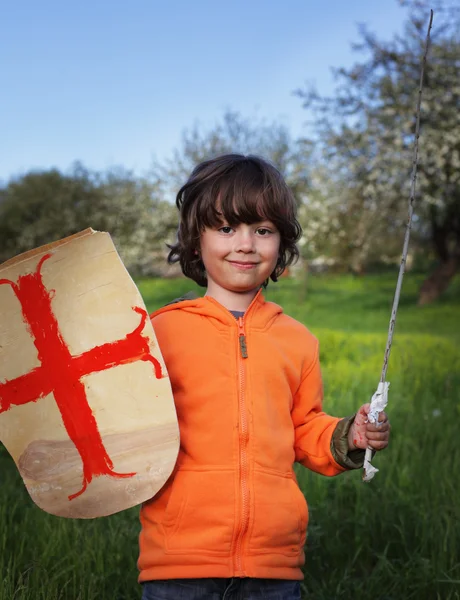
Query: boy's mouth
244	265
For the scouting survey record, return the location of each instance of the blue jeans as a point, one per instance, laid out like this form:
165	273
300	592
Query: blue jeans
221	589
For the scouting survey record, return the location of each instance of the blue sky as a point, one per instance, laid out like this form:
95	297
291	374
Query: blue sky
116	82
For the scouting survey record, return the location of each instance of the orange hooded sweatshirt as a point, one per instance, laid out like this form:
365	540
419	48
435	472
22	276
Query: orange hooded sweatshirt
248	395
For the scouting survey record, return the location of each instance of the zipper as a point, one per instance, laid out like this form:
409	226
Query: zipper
242	338
243	436
243	439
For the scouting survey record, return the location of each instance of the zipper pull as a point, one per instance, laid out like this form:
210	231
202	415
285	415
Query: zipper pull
242	338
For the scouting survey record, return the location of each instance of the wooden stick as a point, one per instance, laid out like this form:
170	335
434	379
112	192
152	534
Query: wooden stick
409	224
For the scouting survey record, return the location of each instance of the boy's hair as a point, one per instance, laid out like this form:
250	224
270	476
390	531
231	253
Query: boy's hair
236	188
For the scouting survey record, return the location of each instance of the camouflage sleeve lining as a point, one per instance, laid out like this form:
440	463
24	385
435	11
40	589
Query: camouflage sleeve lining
348	459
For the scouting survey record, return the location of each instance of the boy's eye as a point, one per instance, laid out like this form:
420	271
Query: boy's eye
225	229
263	231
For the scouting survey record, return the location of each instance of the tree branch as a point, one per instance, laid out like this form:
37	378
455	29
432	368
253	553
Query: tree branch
367	470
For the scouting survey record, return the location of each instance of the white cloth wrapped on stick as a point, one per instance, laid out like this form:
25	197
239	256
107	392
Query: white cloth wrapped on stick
378	403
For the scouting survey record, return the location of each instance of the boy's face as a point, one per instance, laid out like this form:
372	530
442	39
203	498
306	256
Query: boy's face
238	260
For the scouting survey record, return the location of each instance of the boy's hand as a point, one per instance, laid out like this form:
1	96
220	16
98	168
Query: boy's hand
364	434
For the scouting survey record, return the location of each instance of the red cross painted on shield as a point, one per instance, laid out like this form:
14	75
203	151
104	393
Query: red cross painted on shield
60	373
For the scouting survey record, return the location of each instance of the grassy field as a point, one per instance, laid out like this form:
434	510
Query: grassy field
396	538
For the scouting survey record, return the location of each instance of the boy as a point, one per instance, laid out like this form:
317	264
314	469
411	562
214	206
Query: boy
231	521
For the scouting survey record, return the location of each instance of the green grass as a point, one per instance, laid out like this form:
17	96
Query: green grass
396	538
342	302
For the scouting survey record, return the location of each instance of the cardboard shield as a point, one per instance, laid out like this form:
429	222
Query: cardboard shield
86	407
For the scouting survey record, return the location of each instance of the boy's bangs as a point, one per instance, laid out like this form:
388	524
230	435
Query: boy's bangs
240	201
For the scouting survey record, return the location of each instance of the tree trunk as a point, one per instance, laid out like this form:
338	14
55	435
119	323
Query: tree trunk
438	281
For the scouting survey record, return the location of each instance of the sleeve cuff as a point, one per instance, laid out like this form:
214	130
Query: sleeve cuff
348	459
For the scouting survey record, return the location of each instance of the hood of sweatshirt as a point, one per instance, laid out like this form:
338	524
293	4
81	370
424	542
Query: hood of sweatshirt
259	314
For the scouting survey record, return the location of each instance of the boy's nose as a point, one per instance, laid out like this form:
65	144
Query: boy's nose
245	242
